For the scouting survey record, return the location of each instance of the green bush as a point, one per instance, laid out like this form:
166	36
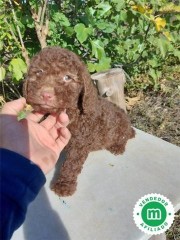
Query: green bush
136	35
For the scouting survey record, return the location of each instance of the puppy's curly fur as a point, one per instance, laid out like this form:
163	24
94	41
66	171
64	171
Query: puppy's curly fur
95	123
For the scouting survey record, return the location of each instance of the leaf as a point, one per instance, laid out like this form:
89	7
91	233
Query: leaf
98	49
52	28
160	23
91	66
123	15
177	53
106	27
119	4
18	67
154	62
2	73
139	8
69	30
105	7
153	74
21	115
104	64
61	19
163	45
142	9
91	11
82	32
88	17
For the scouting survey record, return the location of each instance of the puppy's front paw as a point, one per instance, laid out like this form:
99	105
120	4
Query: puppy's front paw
64	189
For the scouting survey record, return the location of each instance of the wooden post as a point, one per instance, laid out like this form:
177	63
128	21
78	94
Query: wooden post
110	85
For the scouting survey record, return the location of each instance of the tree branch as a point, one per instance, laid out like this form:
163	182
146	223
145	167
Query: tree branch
43	13
39	14
41	23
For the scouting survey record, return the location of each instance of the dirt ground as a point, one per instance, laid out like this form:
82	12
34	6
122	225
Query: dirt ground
157	113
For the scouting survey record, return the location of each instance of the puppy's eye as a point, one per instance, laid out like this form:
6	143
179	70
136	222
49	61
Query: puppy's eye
67	78
39	72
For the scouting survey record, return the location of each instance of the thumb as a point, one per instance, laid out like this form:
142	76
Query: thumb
14	107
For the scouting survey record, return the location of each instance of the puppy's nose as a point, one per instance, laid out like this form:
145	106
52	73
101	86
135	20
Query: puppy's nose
47	95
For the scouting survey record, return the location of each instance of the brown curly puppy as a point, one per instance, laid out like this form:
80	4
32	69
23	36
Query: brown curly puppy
58	80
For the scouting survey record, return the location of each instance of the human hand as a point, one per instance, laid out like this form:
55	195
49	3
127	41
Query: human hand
40	142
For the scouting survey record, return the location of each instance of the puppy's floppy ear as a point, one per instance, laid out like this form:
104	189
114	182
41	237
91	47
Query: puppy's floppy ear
89	91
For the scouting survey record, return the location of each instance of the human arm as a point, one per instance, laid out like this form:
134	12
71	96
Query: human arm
20	182
21	178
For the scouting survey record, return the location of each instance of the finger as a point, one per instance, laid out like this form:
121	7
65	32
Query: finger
62	121
54	133
63	138
49	122
35	116
14	107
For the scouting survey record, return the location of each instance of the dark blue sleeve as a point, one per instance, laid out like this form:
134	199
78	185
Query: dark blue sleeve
20	182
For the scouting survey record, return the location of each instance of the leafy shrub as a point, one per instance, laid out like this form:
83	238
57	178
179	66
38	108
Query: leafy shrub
139	36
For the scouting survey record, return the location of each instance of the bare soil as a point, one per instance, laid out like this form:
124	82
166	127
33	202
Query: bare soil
157	113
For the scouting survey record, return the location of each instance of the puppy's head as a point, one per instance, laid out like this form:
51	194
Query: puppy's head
54	81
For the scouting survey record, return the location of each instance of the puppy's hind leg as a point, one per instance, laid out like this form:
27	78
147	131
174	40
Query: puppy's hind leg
118	147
